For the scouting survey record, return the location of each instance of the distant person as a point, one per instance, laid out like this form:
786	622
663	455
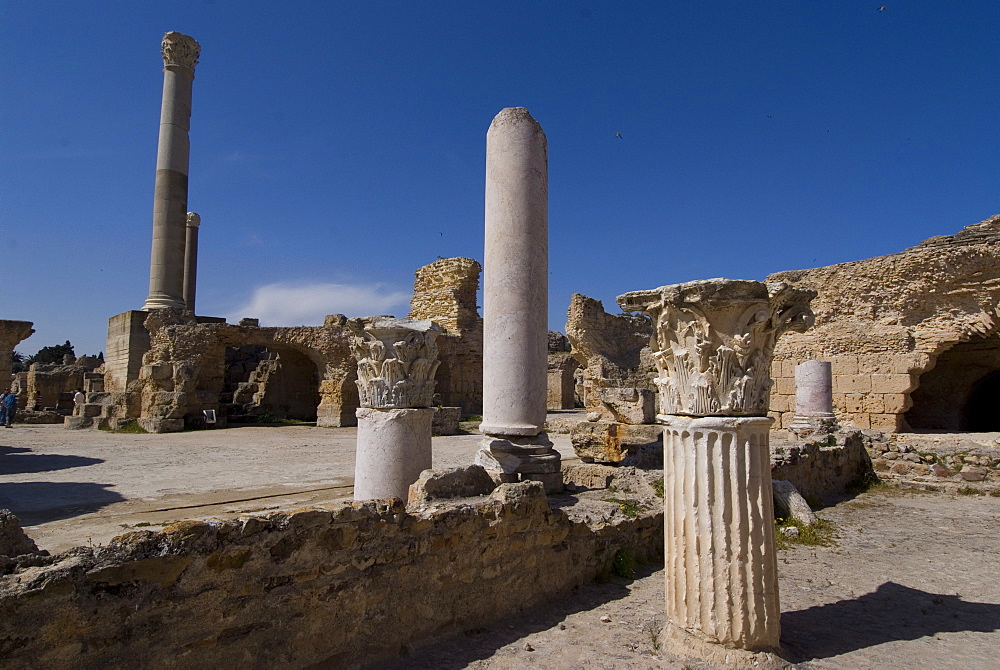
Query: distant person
78	399
10	404
38	401
3	408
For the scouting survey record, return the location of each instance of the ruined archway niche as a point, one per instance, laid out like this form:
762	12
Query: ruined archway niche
962	391
883	324
269	382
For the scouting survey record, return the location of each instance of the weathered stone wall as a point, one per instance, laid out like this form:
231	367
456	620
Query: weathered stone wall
11	333
54	382
884	322
445	292
971	465
613	350
338	588
822	466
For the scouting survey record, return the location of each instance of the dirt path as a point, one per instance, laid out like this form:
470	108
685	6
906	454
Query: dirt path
911	582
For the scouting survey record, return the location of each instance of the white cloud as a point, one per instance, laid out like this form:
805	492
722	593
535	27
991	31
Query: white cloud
288	304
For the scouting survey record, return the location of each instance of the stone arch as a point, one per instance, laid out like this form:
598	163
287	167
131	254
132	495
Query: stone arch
951	393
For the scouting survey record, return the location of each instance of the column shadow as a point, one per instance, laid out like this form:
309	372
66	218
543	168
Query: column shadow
40	502
892	612
26	463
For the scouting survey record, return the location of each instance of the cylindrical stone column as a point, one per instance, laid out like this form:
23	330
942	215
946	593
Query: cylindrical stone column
713	343
191	260
515	303
397	359
813	398
166	264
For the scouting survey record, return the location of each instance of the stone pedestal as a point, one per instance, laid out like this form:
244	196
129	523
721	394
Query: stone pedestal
813	398
191	260
397	359
713	344
515	303
394	447
166	265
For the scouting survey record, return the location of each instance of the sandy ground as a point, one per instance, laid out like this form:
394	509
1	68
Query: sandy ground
912	579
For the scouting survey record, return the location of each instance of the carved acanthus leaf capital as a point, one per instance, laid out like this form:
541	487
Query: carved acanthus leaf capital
714	340
397	359
193	220
180	50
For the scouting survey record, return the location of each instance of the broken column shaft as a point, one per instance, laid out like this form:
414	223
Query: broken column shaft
397	359
166	264
713	343
813	398
191	260
515	303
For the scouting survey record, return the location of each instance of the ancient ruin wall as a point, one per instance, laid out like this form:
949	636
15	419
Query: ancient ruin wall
883	322
613	350
11	333
445	292
335	588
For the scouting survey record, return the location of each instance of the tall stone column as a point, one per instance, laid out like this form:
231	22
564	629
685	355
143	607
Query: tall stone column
191	260
515	303
166	264
397	359
813	398
713	344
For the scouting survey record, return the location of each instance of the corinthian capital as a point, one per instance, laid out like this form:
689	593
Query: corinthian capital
180	50
397	359
193	220
714	340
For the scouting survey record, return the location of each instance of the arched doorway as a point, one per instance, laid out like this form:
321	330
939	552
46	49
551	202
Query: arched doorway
962	391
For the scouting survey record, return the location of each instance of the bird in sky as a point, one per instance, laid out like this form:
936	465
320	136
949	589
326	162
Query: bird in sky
619	136
882	8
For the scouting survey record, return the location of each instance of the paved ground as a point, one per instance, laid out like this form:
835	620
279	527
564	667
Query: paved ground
73	487
912	580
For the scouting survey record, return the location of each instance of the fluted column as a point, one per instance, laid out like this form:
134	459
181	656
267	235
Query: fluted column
813	398
515	303
713	344
166	264
397	359
191	260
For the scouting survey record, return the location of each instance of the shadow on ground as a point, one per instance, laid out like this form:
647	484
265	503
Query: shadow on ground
15	463
482	642
891	613
40	502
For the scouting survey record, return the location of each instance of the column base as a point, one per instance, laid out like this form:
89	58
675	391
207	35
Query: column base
163	302
515	459
680	642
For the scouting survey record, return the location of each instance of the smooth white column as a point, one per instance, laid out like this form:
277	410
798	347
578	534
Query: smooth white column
813	397
515	303
394	447
191	260
166	264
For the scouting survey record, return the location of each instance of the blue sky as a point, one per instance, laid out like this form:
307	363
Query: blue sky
338	146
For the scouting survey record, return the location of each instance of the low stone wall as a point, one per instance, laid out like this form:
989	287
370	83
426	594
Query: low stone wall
822	466
926	461
345	587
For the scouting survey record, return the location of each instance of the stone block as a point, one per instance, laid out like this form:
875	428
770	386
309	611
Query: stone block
91	409
77	422
460	482
973	474
896	403
889	423
611	442
789	503
844	365
589	475
853	403
852	383
629	405
13	541
898	383
873	403
445	420
784	386
862	421
781	403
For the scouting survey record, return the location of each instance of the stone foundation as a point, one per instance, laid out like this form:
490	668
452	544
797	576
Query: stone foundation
343	588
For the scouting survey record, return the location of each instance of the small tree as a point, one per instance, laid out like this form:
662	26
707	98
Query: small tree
54	354
17	362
